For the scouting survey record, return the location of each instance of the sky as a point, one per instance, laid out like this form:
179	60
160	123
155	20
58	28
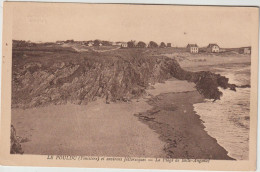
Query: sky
179	25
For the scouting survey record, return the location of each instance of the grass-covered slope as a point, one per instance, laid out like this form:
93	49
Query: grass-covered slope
57	77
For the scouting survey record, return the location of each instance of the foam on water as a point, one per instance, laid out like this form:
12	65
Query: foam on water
227	119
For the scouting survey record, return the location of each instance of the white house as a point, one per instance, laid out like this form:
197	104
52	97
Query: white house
213	48
192	48
90	44
59	42
124	45
245	50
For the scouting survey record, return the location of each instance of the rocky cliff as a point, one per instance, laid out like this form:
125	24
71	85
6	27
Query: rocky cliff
81	78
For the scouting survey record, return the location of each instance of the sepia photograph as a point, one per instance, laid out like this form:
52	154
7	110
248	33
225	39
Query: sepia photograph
131	82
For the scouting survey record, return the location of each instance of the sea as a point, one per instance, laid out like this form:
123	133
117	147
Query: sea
228	119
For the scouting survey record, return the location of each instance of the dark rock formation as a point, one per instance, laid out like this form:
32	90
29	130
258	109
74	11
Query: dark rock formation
16	147
81	78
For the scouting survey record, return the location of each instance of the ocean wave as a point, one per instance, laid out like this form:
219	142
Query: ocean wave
228	119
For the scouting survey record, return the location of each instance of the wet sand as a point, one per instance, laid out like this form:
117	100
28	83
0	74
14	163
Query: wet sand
174	119
172	116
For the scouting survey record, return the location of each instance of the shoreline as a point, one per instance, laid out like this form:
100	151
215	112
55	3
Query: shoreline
180	127
174	130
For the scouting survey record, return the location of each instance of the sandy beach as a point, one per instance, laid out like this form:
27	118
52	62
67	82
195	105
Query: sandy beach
97	129
147	127
128	104
105	86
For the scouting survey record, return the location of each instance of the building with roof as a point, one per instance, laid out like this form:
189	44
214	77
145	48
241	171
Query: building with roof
192	48
90	43
124	44
245	50
213	48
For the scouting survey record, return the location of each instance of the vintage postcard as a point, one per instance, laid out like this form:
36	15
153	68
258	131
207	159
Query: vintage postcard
129	86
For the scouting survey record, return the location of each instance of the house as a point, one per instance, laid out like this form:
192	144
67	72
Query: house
213	48
169	45
245	50
124	44
89	43
100	44
117	43
192	48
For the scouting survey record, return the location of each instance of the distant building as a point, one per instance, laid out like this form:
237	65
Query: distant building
117	43
213	48
192	48
169	45
100	44
114	43
124	44
90	44
245	50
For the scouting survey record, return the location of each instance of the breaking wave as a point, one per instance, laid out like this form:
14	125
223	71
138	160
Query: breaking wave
228	119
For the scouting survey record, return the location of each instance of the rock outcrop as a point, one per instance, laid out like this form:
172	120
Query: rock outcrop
16	147
120	76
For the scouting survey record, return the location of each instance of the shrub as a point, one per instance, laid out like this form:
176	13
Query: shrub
141	44
162	45
153	44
